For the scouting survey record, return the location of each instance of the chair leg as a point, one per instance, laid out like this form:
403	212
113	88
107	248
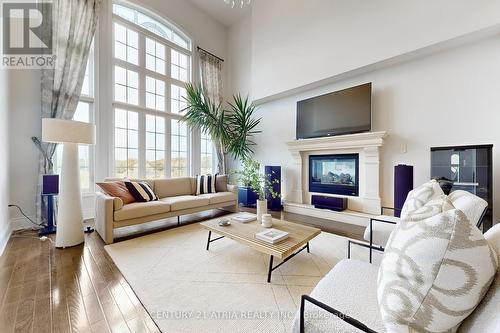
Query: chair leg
371	239
178	220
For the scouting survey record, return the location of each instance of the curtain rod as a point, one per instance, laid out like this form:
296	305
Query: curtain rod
199	48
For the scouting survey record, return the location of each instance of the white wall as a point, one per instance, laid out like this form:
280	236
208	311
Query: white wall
297	42
24	122
450	98
5	227
24	104
240	56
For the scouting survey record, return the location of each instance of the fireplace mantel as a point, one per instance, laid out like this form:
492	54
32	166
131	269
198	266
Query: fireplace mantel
367	145
358	140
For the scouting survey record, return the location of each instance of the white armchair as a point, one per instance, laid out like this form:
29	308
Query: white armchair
378	231
345	300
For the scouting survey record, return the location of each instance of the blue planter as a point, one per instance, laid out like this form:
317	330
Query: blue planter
247	197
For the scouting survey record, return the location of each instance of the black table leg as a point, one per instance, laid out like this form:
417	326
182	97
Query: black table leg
270	269
208	241
308	247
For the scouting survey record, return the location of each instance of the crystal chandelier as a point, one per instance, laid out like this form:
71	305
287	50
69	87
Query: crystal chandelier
241	3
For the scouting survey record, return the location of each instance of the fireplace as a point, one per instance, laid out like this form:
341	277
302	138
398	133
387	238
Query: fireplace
334	174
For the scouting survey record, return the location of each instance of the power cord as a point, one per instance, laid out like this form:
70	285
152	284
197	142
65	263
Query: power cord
26	216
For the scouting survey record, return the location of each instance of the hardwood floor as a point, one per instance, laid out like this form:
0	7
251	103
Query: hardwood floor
79	289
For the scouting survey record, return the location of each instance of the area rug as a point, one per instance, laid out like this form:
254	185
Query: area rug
188	289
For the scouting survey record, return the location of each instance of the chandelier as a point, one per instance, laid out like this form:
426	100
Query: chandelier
241	3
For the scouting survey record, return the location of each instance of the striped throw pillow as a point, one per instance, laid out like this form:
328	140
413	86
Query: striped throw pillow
141	191
205	184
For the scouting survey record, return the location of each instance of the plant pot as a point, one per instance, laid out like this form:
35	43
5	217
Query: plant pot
261	209
246	196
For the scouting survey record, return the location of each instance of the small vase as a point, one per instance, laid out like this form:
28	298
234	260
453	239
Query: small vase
267	220
261	209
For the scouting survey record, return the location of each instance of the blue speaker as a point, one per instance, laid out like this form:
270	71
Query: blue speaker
403	183
273	173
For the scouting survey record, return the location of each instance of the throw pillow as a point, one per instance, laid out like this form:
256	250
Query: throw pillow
141	191
221	183
205	184
420	196
117	189
433	207
434	273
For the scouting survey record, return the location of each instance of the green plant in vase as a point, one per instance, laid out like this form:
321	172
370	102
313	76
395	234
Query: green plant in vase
259	183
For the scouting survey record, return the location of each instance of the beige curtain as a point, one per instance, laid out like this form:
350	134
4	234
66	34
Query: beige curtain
211	82
73	27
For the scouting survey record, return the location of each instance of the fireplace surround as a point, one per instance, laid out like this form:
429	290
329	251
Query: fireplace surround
297	198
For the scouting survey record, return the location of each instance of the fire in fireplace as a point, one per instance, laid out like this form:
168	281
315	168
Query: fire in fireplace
334	174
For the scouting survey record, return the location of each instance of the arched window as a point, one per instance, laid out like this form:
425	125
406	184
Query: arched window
152	64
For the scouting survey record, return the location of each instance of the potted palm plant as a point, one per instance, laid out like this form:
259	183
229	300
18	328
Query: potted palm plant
232	129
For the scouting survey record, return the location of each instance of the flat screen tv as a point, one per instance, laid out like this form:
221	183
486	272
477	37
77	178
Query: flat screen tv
341	112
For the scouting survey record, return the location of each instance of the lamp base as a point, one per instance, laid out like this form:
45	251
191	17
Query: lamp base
69	215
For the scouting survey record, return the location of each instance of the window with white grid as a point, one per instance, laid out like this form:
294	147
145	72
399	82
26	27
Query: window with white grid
126	44
155	146
155	94
179	148
155	56
177	101
152	64
207	156
126	143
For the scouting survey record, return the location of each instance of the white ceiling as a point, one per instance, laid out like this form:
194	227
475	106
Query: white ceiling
221	11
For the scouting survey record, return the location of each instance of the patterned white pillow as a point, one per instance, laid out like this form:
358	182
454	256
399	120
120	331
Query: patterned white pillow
432	207
434	273
420	196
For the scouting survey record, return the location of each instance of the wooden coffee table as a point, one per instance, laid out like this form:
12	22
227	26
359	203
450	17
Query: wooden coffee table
297	241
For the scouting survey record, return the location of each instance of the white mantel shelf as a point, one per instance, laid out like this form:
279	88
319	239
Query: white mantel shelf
349	141
366	145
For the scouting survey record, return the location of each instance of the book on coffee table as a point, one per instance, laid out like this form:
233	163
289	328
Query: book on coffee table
272	236
244	217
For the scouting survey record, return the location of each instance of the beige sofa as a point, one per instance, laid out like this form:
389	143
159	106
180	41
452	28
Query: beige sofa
177	197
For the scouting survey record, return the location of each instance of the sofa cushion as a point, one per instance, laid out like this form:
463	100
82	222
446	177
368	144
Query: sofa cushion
434	273
219	197
174	187
140	209
420	196
185	202
471	205
349	288
485	318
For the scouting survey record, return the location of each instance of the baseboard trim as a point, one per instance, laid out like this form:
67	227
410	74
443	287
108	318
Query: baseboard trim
4	238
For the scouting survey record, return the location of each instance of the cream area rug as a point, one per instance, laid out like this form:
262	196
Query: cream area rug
188	289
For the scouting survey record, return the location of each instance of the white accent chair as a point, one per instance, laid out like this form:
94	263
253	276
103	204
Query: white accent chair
345	300
378	231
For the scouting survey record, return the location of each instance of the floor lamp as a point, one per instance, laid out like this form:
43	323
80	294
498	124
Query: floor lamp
69	216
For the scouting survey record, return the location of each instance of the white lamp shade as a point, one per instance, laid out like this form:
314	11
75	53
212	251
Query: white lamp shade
67	131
